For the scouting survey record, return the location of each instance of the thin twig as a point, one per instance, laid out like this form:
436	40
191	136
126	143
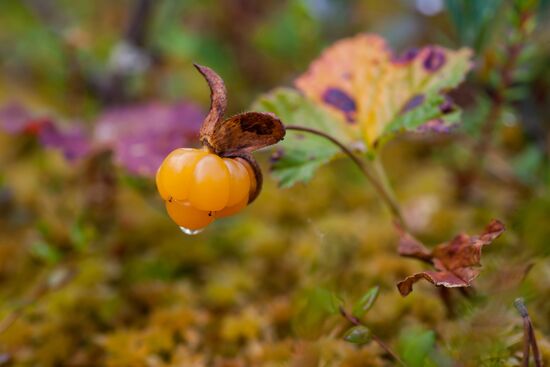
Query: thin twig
380	188
529	340
535	346
526	342
355	321
445	295
138	24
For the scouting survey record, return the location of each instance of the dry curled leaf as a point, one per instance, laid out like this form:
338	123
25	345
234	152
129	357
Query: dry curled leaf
456	263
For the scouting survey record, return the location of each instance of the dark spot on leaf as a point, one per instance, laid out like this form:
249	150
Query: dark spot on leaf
299	136
436	126
342	101
447	106
434	60
412	103
406	56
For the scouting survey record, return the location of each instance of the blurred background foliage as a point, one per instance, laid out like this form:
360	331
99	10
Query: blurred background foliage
93	272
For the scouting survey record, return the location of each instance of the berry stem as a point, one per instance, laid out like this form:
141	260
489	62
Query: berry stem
381	187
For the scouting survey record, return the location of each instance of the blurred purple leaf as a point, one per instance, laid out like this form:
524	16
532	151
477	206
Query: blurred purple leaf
142	135
72	141
17	119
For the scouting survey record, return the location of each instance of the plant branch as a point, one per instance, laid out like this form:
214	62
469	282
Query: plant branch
382	189
506	73
529	340
138	24
129	55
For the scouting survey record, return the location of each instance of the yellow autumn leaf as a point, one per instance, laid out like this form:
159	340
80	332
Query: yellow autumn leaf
362	82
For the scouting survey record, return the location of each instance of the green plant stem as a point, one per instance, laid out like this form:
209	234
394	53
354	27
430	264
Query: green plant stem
385	182
355	321
381	186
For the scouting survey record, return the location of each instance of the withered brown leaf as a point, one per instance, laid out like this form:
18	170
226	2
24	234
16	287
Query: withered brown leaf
456	263
245	132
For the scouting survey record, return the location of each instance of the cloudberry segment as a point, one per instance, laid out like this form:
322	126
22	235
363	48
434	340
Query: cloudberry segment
209	189
188	217
251	174
239	185
230	210
176	172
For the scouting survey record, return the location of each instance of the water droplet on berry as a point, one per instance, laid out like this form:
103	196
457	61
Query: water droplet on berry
191	232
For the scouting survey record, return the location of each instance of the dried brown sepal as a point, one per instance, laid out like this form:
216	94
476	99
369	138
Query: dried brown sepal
245	132
218	102
456	263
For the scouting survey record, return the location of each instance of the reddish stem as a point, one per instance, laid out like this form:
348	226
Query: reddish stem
529	340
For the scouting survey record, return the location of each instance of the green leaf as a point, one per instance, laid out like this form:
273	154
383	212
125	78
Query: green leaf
325	300
365	303
317	306
367	91
381	101
300	154
358	335
431	94
80	235
415	347
474	21
528	164
475	117
46	252
428	110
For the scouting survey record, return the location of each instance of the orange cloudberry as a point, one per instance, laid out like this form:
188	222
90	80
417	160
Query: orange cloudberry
219	180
